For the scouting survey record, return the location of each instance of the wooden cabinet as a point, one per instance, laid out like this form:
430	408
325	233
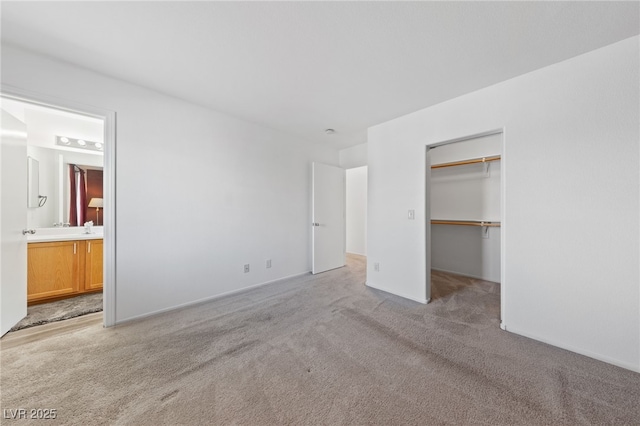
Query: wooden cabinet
53	269
63	268
93	265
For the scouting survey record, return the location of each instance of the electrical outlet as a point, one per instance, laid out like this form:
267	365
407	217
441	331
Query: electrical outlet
376	267
268	263
246	268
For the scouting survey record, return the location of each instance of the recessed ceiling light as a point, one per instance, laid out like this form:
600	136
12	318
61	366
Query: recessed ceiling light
81	142
329	131
98	145
64	140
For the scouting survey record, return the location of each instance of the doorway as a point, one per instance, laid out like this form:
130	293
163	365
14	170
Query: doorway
464	193
339	216
61	146
356	219
356	210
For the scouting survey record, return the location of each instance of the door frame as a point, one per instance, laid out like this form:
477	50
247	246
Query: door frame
503	213
109	182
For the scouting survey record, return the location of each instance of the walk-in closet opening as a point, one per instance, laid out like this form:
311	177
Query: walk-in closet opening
464	223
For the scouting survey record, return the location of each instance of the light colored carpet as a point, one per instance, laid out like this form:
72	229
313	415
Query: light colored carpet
320	349
60	310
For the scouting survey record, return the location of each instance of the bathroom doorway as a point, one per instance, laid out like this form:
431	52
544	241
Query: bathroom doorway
69	149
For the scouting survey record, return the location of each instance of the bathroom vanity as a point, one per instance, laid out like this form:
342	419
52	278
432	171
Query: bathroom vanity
63	265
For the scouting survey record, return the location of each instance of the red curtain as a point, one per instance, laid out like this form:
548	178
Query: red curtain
73	203
82	200
77	196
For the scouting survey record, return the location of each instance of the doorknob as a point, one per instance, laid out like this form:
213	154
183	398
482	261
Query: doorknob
315	224
28	231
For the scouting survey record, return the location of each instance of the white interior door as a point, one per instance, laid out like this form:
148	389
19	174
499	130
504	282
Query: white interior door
13	220
328	222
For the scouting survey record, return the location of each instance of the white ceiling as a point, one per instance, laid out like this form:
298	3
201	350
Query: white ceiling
302	67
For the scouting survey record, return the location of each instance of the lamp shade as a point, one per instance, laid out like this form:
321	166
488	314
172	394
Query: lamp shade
95	203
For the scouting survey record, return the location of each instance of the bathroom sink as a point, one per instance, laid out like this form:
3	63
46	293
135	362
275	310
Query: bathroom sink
64	234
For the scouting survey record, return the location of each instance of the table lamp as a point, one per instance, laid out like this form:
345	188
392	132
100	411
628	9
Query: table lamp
97	203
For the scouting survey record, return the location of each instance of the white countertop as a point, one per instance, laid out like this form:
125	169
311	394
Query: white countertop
44	235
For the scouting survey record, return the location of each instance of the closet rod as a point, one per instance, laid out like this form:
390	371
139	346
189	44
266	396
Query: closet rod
463	162
466	223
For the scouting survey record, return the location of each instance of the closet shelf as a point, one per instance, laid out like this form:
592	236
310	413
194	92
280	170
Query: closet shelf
466	223
470	161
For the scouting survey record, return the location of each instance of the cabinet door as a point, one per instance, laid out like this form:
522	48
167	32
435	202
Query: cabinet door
93	271
53	269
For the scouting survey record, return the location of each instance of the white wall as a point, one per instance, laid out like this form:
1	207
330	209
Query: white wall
466	250
356	210
467	192
571	209
355	156
199	193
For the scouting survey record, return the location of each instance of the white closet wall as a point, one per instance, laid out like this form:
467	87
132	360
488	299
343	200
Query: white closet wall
466	192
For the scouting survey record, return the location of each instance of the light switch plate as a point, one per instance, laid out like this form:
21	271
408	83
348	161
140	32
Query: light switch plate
412	214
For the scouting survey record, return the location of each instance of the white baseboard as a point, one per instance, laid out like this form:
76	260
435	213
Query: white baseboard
465	275
208	299
423	301
580	351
